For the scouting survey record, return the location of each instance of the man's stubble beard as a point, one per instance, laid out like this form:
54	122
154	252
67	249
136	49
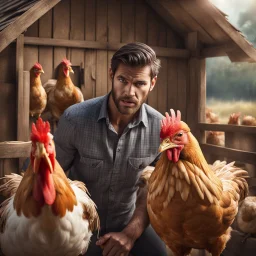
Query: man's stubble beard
129	110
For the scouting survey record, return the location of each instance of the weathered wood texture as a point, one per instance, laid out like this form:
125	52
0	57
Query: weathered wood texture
105	24
70	27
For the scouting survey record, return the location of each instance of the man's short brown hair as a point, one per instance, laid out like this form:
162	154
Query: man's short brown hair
135	55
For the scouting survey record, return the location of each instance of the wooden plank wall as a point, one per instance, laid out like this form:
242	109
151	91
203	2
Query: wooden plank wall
92	20
108	21
8	100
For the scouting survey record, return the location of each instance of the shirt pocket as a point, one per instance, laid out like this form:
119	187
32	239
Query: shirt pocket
135	168
91	168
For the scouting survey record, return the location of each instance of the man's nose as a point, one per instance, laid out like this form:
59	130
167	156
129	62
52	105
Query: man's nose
130	89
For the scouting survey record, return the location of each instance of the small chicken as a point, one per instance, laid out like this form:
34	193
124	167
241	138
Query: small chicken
45	214
63	93
211	117
246	217
216	138
38	97
234	118
248	120
190	203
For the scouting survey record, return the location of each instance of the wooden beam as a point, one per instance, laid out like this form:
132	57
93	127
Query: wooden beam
227	128
177	26
19	75
160	51
219	50
15	149
234	154
24	21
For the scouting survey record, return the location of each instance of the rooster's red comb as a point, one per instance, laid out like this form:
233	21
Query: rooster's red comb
170	124
38	66
66	62
40	131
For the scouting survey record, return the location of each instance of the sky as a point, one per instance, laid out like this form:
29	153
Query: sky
242	14
233	8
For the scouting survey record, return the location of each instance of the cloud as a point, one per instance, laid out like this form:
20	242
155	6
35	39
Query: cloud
233	8
247	22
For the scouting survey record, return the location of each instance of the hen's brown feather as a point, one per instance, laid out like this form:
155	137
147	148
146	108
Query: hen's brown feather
62	93
192	204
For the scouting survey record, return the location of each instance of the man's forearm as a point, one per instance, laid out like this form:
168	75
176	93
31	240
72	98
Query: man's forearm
140	219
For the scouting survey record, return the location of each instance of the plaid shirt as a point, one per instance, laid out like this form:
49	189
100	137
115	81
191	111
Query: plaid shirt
109	165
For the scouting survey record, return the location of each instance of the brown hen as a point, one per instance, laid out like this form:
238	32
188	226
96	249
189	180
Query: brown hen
62	93
192	204
38	97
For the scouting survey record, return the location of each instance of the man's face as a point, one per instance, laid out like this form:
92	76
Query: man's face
130	87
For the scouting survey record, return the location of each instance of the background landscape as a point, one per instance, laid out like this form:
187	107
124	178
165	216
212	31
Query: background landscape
231	87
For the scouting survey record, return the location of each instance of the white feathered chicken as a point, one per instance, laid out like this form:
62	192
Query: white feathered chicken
46	214
246	217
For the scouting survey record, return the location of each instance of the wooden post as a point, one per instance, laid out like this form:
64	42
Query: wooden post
23	87
196	94
196	86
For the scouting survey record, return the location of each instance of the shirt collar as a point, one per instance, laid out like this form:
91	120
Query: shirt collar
141	117
104	108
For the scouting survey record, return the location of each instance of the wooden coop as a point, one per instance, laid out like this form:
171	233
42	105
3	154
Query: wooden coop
182	32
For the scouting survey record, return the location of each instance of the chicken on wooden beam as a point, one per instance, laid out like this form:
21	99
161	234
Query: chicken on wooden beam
192	204
46	213
38	97
62	93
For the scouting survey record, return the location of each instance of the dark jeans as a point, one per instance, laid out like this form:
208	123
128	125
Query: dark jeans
148	244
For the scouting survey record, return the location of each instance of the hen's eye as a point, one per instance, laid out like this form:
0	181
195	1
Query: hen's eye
180	134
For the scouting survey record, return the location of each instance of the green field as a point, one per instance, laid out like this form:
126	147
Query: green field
225	108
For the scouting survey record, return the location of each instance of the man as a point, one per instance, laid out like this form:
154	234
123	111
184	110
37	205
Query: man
106	142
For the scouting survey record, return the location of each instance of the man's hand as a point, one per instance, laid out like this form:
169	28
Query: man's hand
116	244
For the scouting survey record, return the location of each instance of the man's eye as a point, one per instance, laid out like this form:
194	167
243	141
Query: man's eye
140	84
122	80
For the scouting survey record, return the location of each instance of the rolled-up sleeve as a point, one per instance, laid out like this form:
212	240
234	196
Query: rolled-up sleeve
64	139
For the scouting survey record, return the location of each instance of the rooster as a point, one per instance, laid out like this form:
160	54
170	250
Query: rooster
45	214
62	93
190	203
38	97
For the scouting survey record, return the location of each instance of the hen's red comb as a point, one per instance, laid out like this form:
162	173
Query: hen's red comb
37	65
66	62
170	124
40	131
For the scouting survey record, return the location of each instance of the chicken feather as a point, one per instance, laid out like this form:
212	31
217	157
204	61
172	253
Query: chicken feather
199	201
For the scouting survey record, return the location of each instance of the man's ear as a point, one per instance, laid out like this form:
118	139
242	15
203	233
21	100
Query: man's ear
153	82
110	73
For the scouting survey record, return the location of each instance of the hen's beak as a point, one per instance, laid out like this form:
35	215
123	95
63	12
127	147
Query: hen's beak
70	69
166	144
39	155
41	71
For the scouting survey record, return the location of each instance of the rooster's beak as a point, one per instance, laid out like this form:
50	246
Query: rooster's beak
39	155
71	70
166	144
